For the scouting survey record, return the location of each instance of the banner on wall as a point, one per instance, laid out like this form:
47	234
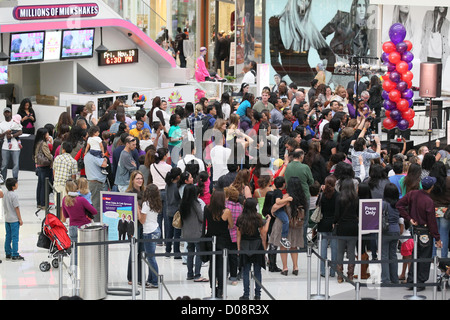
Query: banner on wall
119	212
302	34
429	27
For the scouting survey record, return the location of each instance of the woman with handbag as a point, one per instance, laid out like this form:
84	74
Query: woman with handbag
192	216
327	204
173	199
44	160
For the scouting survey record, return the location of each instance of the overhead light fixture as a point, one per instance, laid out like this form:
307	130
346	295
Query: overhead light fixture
3	56
101	48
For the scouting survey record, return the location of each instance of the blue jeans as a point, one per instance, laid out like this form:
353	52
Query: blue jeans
150	248
324	253
282	215
171	233
12	238
73	235
162	217
389	271
42	173
195	273
6	156
444	228
246	278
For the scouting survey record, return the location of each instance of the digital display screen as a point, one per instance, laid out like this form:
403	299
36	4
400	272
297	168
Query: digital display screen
27	47
52	45
77	44
3	74
118	57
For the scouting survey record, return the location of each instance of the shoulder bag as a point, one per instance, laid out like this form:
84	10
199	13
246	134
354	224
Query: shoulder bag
317	215
177	222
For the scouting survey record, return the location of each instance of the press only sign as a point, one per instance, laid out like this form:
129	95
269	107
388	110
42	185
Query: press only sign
62	11
370	215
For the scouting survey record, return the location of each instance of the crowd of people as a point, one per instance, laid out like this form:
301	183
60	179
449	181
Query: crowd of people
250	172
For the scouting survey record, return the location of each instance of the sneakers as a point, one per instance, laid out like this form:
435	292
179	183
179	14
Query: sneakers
285	243
17	258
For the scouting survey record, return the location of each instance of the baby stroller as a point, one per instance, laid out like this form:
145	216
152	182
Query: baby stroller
54	237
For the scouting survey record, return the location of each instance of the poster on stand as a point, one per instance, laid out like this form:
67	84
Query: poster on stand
119	212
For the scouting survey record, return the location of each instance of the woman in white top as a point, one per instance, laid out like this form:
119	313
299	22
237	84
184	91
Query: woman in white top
90	107
151	208
159	113
158	171
226	107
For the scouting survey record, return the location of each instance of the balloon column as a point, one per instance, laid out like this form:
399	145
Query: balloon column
397	82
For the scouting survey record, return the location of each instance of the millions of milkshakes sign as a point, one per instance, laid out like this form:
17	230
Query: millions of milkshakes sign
57	11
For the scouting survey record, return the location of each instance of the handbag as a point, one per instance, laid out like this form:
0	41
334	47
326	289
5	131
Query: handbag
317	215
177	222
41	158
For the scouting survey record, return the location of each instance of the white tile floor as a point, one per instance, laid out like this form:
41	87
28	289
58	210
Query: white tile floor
24	280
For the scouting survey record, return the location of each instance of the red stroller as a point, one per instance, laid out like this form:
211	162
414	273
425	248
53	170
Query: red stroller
57	242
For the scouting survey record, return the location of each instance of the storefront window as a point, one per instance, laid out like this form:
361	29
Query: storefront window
184	16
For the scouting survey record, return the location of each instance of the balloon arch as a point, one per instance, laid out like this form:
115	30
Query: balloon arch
397	82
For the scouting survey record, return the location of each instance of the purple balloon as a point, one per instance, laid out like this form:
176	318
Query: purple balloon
402	86
385	95
408	94
390	66
395	76
402	47
385	57
402	124
389	105
410	65
397	33
411	102
396	115
408	56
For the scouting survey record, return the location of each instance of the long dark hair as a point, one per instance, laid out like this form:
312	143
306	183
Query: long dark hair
391	194
439	171
295	190
441	16
412	179
364	191
376	174
40	137
190	195
250	220
22	105
347	193
156	103
330	184
217	204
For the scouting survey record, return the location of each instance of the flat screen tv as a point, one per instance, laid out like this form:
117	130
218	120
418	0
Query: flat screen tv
3	74
27	47
77	44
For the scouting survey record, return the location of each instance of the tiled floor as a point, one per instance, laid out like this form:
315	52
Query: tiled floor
24	280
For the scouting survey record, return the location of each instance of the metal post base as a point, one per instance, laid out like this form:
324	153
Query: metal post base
319	297
414	297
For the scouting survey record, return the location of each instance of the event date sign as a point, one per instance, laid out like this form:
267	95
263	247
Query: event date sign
118	57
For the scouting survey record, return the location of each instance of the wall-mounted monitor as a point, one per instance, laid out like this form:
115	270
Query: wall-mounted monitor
27	47
52	49
3	74
77	44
